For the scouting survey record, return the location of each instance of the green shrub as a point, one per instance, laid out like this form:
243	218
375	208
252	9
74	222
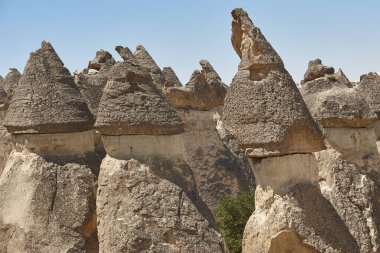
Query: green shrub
231	216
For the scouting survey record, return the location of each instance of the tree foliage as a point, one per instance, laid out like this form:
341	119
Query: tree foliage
232	215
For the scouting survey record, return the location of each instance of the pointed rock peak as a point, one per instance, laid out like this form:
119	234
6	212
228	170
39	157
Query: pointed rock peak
197	80
208	71
316	70
46	100
369	88
125	53
10	81
256	54
132	104
146	60
371	76
171	79
101	59
263	108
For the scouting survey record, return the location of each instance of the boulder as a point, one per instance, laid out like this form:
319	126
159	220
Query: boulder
146	61
148	213
45	207
171	79
132	104
334	103
47	99
263	108
204	91
316	69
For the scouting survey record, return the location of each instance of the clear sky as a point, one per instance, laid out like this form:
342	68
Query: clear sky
178	33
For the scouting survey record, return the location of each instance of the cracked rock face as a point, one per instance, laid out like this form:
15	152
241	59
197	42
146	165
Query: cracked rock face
47	99
92	80
204	91
45	207
334	103
263	108
132	104
148	213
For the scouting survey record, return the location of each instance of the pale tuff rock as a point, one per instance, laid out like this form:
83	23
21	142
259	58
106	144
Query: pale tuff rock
204	91
91	81
355	197
132	104
304	212
148	213
3	95
146	61
334	103
45	207
47	99
316	69
218	172
171	79
5	148
11	82
263	108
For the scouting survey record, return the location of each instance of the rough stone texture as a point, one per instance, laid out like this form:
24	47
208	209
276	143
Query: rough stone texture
3	95
148	213
126	54
334	103
11	82
304	212
47	99
5	148
218	172
132	104
316	69
355	197
91	84
281	173
146	61
263	108
204	91
45	207
171	79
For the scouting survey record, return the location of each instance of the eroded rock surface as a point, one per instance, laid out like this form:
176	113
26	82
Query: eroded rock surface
204	91
171	79
278	121
11	82
148	213
45	207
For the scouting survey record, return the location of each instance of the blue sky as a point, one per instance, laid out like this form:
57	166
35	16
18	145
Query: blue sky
343	33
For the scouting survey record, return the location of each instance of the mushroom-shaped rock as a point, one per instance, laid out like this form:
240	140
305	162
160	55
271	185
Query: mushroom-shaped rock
316	69
11	81
263	108
92	81
47	99
132	104
171	79
204	91
146	61
334	103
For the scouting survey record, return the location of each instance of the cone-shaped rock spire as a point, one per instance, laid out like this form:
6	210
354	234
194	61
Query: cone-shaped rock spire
47	99
146	61
132	104
263	107
171	79
3	95
11	81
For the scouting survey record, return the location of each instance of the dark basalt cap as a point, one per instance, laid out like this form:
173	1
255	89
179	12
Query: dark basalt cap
263	108
132	104
47	99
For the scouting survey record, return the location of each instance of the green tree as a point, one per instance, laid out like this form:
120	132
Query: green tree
232	215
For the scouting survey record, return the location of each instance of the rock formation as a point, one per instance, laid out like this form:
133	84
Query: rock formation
146	61
10	82
261	77
155	205
266	113
91	81
349	168
46	206
204	91
171	79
